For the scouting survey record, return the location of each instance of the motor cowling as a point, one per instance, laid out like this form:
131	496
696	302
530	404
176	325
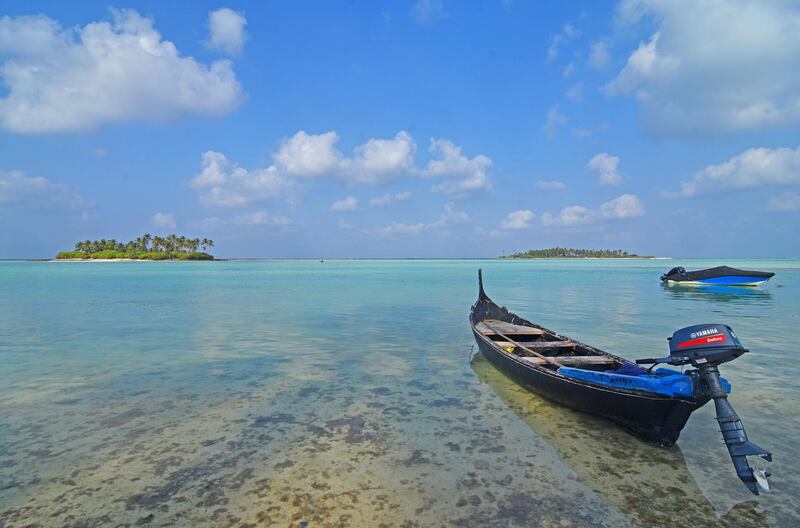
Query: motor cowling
704	344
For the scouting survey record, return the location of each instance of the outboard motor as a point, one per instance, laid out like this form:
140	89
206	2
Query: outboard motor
707	346
676	274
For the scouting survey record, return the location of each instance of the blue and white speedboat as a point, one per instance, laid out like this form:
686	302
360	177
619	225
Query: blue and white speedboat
719	276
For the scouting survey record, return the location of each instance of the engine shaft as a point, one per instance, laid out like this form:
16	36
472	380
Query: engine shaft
732	428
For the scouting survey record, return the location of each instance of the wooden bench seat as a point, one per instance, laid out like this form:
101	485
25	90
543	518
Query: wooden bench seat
536	345
572	360
498	327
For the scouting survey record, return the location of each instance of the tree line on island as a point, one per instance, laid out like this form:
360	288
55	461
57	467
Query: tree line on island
560	252
145	247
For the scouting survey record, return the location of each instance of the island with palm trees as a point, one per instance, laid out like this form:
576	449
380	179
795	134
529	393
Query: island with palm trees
562	253
145	247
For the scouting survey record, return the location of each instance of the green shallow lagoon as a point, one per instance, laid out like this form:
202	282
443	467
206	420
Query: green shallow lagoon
260	393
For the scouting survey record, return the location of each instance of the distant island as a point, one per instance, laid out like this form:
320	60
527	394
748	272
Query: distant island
559	252
145	247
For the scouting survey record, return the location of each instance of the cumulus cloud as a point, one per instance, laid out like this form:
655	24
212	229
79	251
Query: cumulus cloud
309	156
464	175
607	168
164	220
574	215
225	184
550	185
347	204
426	12
226	30
568	32
624	206
755	167
621	207
786	202
376	161
379	157
386	199
713	66
517	220
59	79
554	120
20	190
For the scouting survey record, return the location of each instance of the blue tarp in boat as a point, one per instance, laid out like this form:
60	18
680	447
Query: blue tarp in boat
661	381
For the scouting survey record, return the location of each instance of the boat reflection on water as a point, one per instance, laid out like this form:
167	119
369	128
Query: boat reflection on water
651	486
717	294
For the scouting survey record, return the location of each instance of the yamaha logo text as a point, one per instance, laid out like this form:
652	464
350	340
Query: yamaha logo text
701	333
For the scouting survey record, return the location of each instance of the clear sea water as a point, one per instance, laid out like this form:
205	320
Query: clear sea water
263	393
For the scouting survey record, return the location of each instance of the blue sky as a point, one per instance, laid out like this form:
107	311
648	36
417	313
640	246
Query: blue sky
402	129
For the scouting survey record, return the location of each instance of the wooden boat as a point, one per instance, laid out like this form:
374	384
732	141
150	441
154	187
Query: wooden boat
532	355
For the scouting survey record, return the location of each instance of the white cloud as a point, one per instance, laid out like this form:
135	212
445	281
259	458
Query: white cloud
755	167
164	220
518	220
786	202
606	167
621	207
19	189
226	30
575	92
550	185
347	204
574	215
386	199
568	32
426	12
222	183
554	120
310	154
78	78
376	161
624	206
598	56
449	218
464	175
399	228
378	158
714	66
568	70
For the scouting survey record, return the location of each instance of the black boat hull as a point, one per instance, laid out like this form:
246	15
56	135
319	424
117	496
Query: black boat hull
656	420
650	417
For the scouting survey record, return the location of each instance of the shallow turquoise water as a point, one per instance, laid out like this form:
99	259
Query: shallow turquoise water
265	392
